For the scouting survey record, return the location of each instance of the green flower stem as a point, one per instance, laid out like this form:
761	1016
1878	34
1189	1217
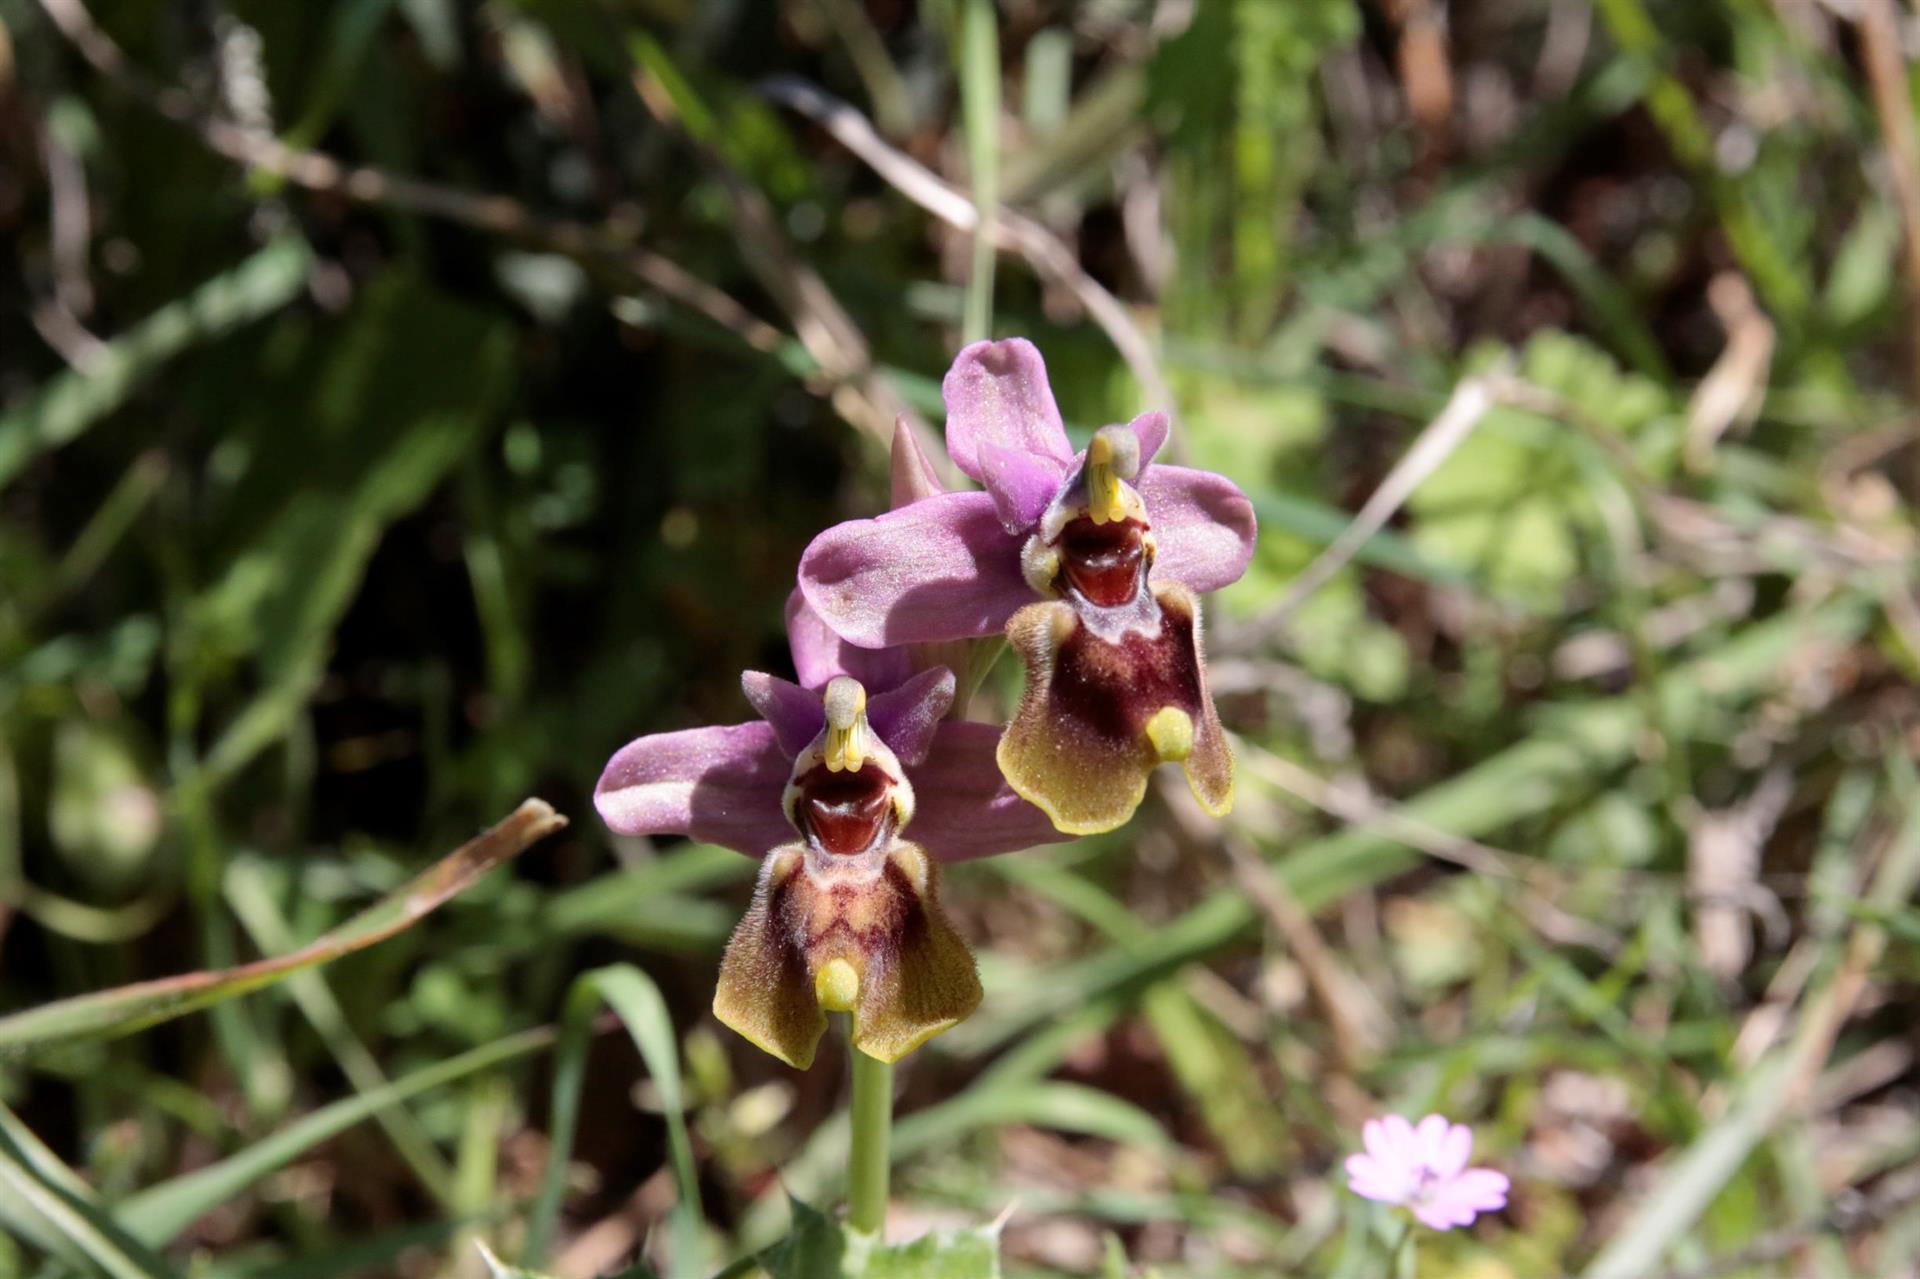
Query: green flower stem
1401	1263
872	1128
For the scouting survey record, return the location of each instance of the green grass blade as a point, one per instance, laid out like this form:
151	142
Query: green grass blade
158	1214
128	1008
253	904
637	1002
980	105
34	1175
67	406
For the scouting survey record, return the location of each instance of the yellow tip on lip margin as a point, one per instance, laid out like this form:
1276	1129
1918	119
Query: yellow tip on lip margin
837	986
1171	732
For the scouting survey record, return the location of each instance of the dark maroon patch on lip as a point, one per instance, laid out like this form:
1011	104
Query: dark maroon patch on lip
845	812
1114	686
1104	562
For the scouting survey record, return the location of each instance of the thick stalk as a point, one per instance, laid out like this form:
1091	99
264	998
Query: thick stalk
872	1131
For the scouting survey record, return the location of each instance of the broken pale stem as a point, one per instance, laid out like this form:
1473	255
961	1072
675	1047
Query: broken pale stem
872	1128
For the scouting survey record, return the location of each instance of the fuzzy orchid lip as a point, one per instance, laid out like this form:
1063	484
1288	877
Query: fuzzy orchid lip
949	566
1111	694
1103	563
845	812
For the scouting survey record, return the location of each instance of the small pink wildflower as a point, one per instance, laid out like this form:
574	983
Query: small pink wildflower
1425	1169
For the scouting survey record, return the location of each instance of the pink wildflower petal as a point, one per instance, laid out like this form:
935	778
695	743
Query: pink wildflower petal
998	392
906	717
1437	1216
721	785
1430	1137
1458	1200
1151	430
940	569
1366	1178
1481	1189
963	808
1203	526
819	654
1373	1135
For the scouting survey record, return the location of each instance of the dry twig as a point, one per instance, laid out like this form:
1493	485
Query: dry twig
1012	231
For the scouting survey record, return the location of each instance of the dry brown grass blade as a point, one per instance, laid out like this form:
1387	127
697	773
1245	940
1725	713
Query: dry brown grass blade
1012	231
124	1009
1731	393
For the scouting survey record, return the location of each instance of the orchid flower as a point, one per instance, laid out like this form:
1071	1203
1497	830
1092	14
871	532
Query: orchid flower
1115	546
1424	1168
846	917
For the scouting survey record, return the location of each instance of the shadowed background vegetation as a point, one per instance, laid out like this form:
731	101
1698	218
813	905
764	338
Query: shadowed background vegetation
405	402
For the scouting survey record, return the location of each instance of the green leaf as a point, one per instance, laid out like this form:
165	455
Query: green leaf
410	381
70	404
159	1213
124	1009
499	1269
818	1247
59	1204
636	1000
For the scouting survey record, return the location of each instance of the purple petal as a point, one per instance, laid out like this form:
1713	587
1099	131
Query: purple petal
1151	430
1457	1202
913	476
795	714
721	785
1366	1178
1202	526
962	807
997	392
819	654
906	717
940	569
1431	1136
1022	484
1481	1189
